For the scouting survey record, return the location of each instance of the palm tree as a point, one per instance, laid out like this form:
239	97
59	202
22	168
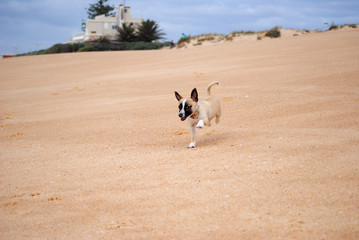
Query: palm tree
149	31
126	33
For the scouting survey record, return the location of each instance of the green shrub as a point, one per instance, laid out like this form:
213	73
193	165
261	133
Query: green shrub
351	25
142	45
333	27
58	48
183	41
77	46
88	48
237	33
273	33
107	46
203	38
229	37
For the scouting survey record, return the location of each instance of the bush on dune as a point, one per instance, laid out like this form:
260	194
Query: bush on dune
332	27
58	48
335	27
143	45
97	46
182	42
88	48
273	33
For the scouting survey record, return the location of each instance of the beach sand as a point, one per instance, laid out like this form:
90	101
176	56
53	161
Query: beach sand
92	146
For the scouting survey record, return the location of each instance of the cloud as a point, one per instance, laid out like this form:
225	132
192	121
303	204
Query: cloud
34	24
57	13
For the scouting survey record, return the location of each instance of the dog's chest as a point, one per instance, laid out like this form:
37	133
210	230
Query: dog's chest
193	121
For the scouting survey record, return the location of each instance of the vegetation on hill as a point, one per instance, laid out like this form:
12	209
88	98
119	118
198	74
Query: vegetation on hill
126	33
130	43
214	38
149	31
273	33
335	27
98	46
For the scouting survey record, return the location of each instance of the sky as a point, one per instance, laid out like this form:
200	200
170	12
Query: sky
28	25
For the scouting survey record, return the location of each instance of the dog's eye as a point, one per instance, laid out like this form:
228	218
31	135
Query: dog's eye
187	107
180	106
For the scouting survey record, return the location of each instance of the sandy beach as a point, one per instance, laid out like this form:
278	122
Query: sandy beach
92	146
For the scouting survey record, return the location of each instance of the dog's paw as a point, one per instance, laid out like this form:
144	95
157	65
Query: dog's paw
200	124
192	145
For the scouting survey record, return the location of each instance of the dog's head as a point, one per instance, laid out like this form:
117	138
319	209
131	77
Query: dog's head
187	106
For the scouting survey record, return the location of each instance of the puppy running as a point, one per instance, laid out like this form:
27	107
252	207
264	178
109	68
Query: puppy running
199	113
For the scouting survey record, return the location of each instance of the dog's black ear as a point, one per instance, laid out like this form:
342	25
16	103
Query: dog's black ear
194	95
178	97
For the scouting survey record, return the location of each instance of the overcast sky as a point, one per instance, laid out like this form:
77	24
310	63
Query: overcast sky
37	24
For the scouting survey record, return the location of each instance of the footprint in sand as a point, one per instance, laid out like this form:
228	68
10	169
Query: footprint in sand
227	99
77	89
7	116
10	204
53	199
16	135
200	76
180	132
209	133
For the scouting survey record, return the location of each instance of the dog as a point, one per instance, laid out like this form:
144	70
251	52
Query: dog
198	113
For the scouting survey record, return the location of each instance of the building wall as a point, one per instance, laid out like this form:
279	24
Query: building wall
124	15
101	26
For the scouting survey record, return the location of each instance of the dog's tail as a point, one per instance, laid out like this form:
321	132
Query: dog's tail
209	87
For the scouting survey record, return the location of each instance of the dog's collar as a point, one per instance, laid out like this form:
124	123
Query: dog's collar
195	114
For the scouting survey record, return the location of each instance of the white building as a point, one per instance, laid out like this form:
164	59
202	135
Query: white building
106	26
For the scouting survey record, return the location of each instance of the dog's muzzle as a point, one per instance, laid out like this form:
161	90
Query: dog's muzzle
182	116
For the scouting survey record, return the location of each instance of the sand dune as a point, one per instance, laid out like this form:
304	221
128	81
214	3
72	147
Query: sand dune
92	147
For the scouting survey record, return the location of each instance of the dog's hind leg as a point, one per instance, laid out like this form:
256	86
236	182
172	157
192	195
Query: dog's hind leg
217	118
207	122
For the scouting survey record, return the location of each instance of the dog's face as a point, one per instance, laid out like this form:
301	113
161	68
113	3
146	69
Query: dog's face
187	106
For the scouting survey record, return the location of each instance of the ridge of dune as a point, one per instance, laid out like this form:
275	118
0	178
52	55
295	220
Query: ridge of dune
92	147
240	36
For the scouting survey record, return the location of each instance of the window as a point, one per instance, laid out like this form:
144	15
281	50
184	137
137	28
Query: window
106	25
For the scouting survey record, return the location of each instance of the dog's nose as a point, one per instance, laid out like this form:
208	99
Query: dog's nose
180	114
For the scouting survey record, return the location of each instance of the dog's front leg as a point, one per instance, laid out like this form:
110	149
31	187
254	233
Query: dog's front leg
193	137
203	122
200	124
